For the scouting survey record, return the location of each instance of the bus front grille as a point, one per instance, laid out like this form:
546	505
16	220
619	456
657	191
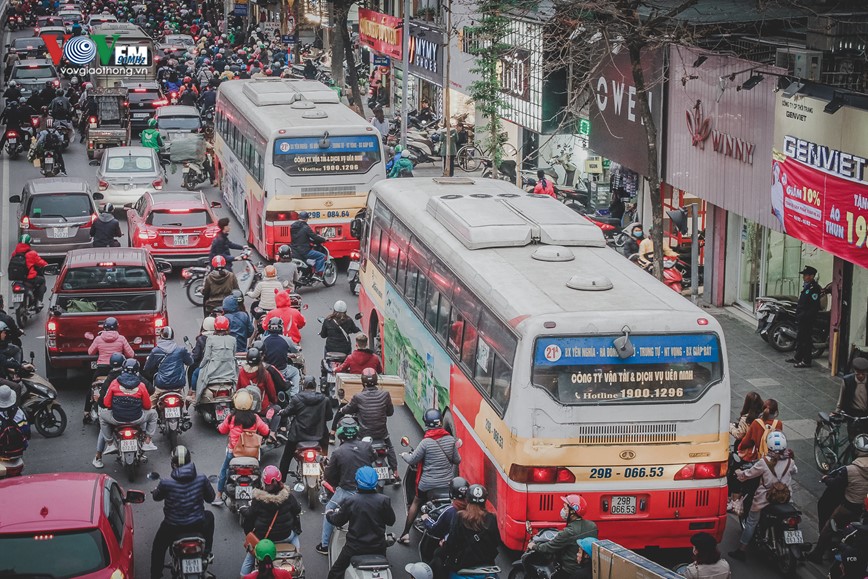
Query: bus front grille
327	191
626	434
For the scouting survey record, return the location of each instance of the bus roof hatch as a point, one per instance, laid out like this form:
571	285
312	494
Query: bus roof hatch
265	92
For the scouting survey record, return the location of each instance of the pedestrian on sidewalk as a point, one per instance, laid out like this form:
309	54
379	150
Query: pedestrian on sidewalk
853	398
750	411
806	316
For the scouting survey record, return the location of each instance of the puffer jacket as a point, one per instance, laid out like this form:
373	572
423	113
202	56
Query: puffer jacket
104	230
368	514
219	283
250	376
234	430
185	493
128	398
240	324
371	406
359	360
263	508
437	464
109	342
293	321
167	364
345	460
311	410
337	334
265	292
218	361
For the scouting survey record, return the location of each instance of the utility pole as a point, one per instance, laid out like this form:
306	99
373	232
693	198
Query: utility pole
405	62
447	118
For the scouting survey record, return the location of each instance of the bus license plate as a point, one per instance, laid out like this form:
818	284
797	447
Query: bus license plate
383	473
793	537
328	232
622	505
309	469
173	412
182	240
17	298
191	566
129	445
243	493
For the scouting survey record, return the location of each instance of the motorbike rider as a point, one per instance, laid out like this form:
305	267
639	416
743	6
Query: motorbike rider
50	139
565	545
303	239
151	137
14	333
853	479
106	343
14	427
275	351
198	353
222	244
13	117
274	513
853	398
440	528
243	419
266	290
60	108
293	320
311	411
106	229
336	329
403	167
253	374
34	279
266	553
184	513
287	271
777	466
807	309
116	363
12	92
367	514
474	538
240	322
631	245
11	356
436	456
167	365
362	358
646	249
219	283
218	359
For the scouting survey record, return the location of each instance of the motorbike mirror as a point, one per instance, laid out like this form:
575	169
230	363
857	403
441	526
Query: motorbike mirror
186	340
298	487
98	196
358	316
153	475
405	441
304	306
51	269
128	205
89	335
216	205
459	443
368	439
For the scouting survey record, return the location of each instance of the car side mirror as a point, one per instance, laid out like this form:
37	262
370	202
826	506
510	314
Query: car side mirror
163	266
128	205
134	497
51	269
98	196
216	205
358	316
15	199
356	228
154	475
405	441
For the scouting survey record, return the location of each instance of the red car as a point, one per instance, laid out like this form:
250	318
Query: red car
177	227
67	525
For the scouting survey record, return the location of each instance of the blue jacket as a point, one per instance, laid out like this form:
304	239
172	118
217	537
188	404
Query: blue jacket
185	494
167	364
240	324
276	349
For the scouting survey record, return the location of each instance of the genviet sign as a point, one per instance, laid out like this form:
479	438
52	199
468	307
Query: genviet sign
80	53
380	32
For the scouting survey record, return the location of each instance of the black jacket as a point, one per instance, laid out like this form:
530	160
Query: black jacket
368	514
337	340
303	237
465	547
221	246
371	407
809	302
345	460
263	508
14	333
104	231
185	494
276	349
311	410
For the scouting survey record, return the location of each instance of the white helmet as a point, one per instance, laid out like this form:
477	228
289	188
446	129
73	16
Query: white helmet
340	307
776	441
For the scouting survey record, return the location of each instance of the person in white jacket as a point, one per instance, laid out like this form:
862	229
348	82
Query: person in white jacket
266	289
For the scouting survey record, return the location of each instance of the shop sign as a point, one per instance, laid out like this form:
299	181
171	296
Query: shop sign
594	165
584	127
515	73
240	10
819	189
426	53
380	32
382	60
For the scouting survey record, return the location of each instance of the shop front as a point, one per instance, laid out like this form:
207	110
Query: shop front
425	48
380	38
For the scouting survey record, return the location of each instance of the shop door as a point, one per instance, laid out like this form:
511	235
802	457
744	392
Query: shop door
751	264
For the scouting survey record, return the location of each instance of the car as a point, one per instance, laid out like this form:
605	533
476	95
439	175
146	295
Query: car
67	525
57	213
182	42
32	74
144	98
97	19
176	227
27	47
177	119
125	173
43	21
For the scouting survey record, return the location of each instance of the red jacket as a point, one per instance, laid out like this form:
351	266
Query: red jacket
545	187
234	431
359	360
31	257
293	321
266	386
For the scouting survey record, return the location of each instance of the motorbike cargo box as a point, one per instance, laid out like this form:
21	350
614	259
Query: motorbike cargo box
612	561
352	384
187	147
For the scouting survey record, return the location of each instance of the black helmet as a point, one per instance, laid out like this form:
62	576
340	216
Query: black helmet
131	366
167	333
432	418
110	324
284	252
347	428
108	208
309	383
458	488
477	494
117	360
369	378
180	456
275	326
254	356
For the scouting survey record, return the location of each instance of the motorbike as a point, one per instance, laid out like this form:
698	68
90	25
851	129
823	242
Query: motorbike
64	127
289	559
193	278
671	276
48	167
130	454
192	174
533	563
778	536
361	566
776	324
15	143
438	497
306	270
353	272
381	464
849	554
189	560
172	416
24	303
38	400
421	154
14	22
428	543
327	379
309	472
622	237
244	476
11	467
95	389
216	402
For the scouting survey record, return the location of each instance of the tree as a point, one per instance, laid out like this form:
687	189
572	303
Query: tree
341	11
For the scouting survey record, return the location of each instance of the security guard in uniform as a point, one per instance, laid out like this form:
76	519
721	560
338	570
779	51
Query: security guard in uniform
806	316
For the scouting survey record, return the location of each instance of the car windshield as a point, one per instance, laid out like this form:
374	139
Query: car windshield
130	164
33	72
185	218
55	555
67	205
170	123
28	43
106	277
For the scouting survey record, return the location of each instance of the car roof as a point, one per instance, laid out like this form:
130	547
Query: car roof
34	62
176	200
46	502
177	111
131	150
92	257
24	39
46	185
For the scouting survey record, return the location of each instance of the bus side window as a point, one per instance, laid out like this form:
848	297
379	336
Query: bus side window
468	344
484	365
384	249
412	280
443	318
421	288
432	307
376	232
502	382
400	269
456	332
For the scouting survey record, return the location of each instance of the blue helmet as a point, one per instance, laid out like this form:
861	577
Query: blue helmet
117	360
366	478
587	544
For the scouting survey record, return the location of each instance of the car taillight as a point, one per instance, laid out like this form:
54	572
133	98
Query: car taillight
103	185
159	323
157	184
25	222
212	231
87	224
146	233
172	401
52	327
92	122
281	215
702	470
309	456
541	474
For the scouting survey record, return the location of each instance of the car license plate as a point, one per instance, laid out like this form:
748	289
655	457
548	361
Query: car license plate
191	566
243	493
622	505
173	412
354	266
17	298
383	473
221	413
793	537
310	469
93	365
141	115
331	379
182	239
129	445
59	232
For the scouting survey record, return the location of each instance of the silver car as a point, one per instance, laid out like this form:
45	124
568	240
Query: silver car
173	120
125	173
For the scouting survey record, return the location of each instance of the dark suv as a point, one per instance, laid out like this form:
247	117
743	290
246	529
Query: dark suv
145	98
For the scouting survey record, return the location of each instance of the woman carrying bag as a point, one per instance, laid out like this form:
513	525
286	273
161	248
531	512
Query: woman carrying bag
244	428
273	514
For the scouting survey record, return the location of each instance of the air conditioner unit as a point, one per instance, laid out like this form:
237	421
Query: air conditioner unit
801	63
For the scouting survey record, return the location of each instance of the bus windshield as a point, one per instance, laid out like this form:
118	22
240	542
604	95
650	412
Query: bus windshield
327	156
663	368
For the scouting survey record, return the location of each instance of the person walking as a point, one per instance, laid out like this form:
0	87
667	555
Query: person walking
806	316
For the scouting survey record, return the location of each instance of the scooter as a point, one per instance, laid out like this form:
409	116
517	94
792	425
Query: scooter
193	278
11	467
428	543
289	559
189	559
327	379
779	537
49	167
779	326
309	472
244	475
39	402
216	402
671	276
353	272
849	556
14	146
437	497
361	566
24	303
172	416
306	270
533	563
381	465
193	173
130	454
421	154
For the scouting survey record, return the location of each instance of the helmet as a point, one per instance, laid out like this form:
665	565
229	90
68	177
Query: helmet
366	478
275	326
221	324
340	306
117	360
4	327
8	397
131	366
108	208
87	85
180	456
25	238
776	441
239	297
347	428
587	544
13	83
303	215
398	149
208	324
309	383
218	262
432	418
242	400
265	548
254	356
270	474
110	324
167	333
576	503
369	377
284	252
476	494
152	122
860	443
458	488
270	271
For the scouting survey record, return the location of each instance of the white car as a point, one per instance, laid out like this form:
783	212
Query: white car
125	173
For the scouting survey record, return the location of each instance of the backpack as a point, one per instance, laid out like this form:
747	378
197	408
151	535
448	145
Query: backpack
60	109
52	140
778	493
248	444
763	449
12	440
18	269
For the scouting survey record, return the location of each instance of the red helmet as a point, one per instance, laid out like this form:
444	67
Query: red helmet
267	72
218	262
576	504
270	474
187	79
221	324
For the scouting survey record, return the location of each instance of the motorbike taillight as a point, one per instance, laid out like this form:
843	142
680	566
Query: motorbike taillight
190	547
221	393
309	456
172	401
185	273
17	288
128	433
794	521
244	471
381	451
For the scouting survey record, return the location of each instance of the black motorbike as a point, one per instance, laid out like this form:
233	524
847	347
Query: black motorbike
778	536
306	270
429	542
37	397
777	325
328	379
189	560
535	565
850	555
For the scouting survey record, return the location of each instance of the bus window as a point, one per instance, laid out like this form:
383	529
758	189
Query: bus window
443	318
484	365
456	332
401	270
421	288
502	380
468	344
384	249
376	232
392	261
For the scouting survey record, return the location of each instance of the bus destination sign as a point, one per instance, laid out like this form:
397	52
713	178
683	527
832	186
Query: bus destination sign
341	155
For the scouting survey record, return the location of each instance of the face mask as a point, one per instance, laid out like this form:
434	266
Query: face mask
637	234
565	513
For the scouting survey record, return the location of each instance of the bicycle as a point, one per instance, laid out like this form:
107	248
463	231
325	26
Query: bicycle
832	447
471	155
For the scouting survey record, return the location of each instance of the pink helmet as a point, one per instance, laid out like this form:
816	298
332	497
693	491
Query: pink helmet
270	474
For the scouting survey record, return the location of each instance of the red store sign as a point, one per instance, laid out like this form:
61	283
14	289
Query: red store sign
381	32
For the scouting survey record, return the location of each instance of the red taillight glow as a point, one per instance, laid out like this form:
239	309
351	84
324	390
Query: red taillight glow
103	185
794	521
309	455
160	103
178	210
25	222
128	433
212	232
106	264
702	321
605	226
541	474
159	322
11	134
157	184
355	255
190	547
140	90
244	471
52	326
17	288
702	470
172	401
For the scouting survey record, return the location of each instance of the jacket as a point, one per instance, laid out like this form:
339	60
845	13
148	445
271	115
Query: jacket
368	514
287	272
240	324
219	283
545	187
847	397
311	410
104	230
276	349
266	291
748	448
109	342
199	349
437	456
31	258
359	360
371	406
345	460
808	305
719	570
564	544
218	361
762	469
262	510
19	418
303	238
293	321
465	547
337	334
401	167
168	363
127	398
228	426
857	481
249	376
221	246
185	495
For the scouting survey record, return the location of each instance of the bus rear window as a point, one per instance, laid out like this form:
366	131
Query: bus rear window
663	368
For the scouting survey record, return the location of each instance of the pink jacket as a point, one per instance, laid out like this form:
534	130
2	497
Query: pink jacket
229	427
107	343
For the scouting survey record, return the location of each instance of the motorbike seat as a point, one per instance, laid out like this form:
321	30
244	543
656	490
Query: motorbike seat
370	562
307	445
781	511
483	570
441	493
244	461
336	356
184	537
